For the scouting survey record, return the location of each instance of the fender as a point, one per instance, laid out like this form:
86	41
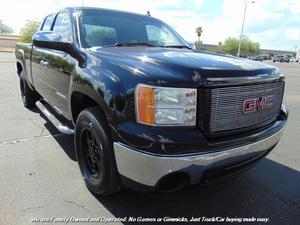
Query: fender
98	83
77	87
21	59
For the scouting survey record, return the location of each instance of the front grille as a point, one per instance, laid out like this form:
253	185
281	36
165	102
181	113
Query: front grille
227	106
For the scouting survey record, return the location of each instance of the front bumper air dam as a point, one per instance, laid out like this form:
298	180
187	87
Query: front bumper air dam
147	169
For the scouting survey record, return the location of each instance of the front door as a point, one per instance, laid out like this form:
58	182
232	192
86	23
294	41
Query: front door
57	67
38	63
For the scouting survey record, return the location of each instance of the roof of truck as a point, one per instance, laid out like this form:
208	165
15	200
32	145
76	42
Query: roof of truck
102	9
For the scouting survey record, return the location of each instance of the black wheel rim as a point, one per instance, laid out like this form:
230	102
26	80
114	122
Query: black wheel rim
92	156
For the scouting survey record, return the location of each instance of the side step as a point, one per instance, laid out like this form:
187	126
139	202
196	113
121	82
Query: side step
59	126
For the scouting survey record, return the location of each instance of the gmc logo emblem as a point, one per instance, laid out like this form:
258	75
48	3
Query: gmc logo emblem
257	104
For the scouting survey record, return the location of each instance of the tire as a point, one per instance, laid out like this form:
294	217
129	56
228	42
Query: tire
94	152
29	97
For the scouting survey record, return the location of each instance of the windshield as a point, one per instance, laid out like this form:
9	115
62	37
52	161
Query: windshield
109	28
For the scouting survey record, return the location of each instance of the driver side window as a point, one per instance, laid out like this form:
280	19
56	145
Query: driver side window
63	26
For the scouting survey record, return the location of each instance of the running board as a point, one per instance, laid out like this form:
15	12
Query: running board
59	126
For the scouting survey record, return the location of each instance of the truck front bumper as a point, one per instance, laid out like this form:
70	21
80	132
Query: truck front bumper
148	169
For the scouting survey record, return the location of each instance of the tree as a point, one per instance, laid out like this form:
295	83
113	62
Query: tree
248	47
4	29
199	31
28	30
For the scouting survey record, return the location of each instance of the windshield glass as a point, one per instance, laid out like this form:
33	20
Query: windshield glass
107	28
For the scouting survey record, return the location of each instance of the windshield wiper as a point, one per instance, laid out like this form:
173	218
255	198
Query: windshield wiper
126	44
176	46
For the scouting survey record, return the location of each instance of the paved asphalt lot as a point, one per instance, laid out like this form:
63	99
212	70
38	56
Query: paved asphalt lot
40	177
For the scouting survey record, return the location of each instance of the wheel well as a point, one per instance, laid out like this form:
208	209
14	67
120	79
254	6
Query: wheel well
19	68
80	102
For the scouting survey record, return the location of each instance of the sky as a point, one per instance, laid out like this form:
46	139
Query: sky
275	24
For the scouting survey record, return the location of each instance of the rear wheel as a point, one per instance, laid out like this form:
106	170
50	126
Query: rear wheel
29	97
94	151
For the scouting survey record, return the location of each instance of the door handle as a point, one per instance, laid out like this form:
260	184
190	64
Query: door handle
44	63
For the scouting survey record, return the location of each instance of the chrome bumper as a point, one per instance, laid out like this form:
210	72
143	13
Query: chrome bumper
148	169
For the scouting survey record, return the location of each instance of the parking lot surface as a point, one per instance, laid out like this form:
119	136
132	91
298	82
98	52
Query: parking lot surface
40	177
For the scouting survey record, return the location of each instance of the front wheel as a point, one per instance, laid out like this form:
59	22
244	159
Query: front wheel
94	152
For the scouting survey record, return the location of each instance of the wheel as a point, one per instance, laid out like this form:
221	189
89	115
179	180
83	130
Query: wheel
29	97
94	152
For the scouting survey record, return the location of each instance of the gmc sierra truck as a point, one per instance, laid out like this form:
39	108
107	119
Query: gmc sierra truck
147	111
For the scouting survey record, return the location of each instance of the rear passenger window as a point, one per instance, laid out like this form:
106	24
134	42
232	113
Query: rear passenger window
48	23
63	26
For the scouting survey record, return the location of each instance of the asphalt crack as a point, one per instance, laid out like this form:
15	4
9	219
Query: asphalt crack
79	206
24	140
36	207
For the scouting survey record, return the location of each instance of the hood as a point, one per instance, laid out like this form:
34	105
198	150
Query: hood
187	66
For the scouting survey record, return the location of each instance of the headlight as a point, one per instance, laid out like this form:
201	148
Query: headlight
165	106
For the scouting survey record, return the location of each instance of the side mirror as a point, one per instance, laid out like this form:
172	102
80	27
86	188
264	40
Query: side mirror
51	40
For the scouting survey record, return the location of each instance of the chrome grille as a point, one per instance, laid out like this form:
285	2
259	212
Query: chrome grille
227	106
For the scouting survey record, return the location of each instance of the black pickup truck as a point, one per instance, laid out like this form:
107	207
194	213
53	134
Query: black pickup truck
146	110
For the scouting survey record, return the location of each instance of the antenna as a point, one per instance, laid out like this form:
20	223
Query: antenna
82	19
